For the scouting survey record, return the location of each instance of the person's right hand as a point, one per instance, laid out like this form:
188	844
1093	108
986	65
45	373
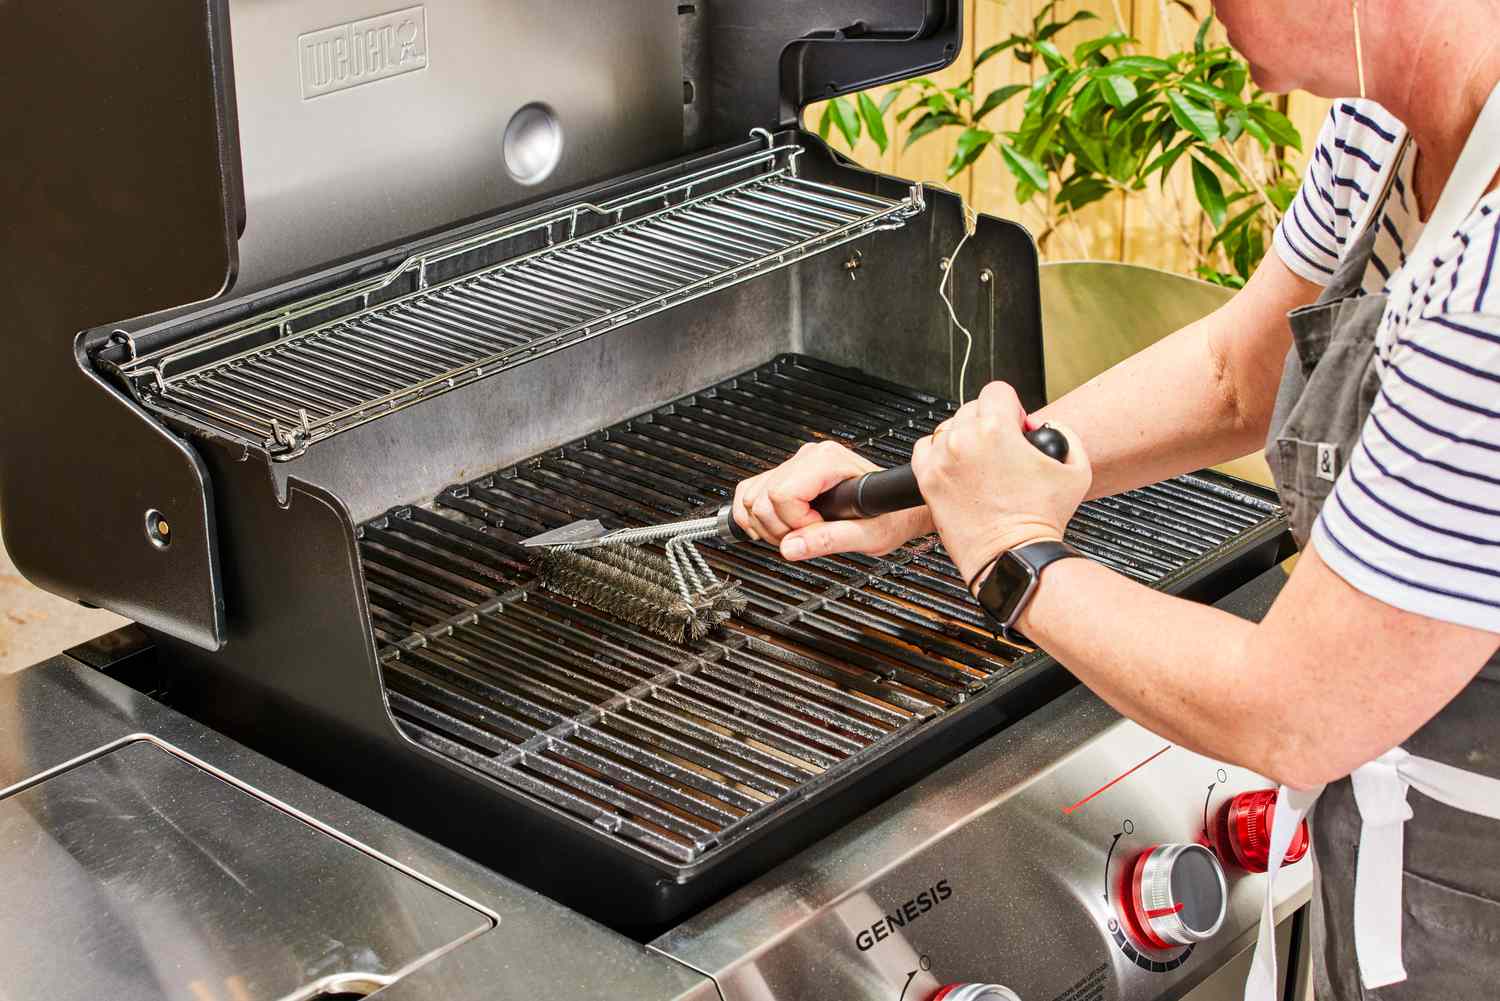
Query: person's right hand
775	506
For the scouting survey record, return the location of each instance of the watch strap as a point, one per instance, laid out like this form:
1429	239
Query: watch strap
1036	556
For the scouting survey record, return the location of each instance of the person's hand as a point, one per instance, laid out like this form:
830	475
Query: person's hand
988	488
775	506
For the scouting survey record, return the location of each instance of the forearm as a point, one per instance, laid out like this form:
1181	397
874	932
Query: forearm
1198	397
1168	409
1196	689
1328	680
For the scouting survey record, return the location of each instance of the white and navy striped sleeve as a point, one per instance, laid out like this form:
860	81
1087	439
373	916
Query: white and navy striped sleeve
1341	181
1414	518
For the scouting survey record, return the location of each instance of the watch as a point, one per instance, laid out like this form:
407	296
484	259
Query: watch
1011	580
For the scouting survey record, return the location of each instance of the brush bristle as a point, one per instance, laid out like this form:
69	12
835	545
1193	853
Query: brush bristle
636	586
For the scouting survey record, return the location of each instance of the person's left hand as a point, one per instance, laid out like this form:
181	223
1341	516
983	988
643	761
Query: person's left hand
991	490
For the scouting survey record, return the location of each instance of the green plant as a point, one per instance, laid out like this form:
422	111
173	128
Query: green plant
1104	118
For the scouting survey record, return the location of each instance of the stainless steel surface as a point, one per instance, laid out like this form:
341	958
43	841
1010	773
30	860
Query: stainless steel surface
161	876
679	751
285	380
1019	833
406	131
145	855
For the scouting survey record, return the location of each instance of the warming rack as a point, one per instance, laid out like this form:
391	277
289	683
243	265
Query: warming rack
286	379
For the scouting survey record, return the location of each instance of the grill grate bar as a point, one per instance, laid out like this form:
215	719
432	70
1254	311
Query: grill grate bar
678	748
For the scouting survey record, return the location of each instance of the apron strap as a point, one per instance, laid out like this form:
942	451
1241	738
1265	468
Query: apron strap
1292	806
1380	788
1465	186
1380	791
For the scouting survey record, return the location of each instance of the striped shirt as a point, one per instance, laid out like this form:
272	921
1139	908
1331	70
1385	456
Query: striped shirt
1414	517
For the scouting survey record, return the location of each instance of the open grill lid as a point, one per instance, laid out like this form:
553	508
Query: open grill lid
148	159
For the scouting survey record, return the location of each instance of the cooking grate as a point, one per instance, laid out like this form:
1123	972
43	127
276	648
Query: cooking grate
284	380
679	749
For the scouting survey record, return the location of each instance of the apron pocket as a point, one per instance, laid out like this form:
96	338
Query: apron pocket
1308	470
1450	944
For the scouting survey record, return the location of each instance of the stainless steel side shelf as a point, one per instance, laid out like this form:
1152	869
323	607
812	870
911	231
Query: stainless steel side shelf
284	380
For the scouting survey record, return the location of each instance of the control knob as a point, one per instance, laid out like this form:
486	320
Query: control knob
1242	831
974	992
1175	895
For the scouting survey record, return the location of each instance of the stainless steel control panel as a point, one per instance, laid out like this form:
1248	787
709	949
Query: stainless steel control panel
1015	866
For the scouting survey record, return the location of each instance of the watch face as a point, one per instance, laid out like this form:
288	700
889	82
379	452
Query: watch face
1011	575
1006	587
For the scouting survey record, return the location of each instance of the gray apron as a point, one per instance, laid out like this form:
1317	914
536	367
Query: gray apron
1449	897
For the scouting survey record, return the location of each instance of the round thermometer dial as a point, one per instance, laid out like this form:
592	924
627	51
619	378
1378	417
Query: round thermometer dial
1176	896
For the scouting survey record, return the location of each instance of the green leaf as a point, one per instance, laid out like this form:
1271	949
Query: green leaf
1210	193
1234	125
1202	39
971	142
1050	55
1039	91
999	96
904	112
1042	15
1218	277
1024	168
847	120
1259	134
1223	163
1276	125
1118	90
1084	50
1134	66
1040	142
939	102
1206	92
1088	98
931	122
1060	90
1282	192
1234	225
1193	117
999	47
874	122
1088	151
890	99
1082	190
1230	75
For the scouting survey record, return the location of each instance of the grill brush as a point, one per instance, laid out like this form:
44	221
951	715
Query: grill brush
678	595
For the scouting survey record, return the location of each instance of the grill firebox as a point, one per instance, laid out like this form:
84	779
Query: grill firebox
679	752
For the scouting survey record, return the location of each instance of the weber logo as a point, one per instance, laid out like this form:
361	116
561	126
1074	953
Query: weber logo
348	55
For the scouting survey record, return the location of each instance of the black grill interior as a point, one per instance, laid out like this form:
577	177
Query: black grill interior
676	750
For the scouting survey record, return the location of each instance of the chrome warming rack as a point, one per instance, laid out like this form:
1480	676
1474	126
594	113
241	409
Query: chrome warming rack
285	379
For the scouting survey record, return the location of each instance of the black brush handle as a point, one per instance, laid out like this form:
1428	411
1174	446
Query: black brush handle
895	489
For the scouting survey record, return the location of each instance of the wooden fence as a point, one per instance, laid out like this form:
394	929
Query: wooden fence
1141	229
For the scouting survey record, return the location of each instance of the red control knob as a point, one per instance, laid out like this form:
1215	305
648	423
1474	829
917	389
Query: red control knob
974	992
1174	895
1242	831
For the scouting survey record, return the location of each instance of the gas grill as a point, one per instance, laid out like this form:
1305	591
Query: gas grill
312	489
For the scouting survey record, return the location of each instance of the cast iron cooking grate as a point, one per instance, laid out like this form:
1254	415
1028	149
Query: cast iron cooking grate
679	749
